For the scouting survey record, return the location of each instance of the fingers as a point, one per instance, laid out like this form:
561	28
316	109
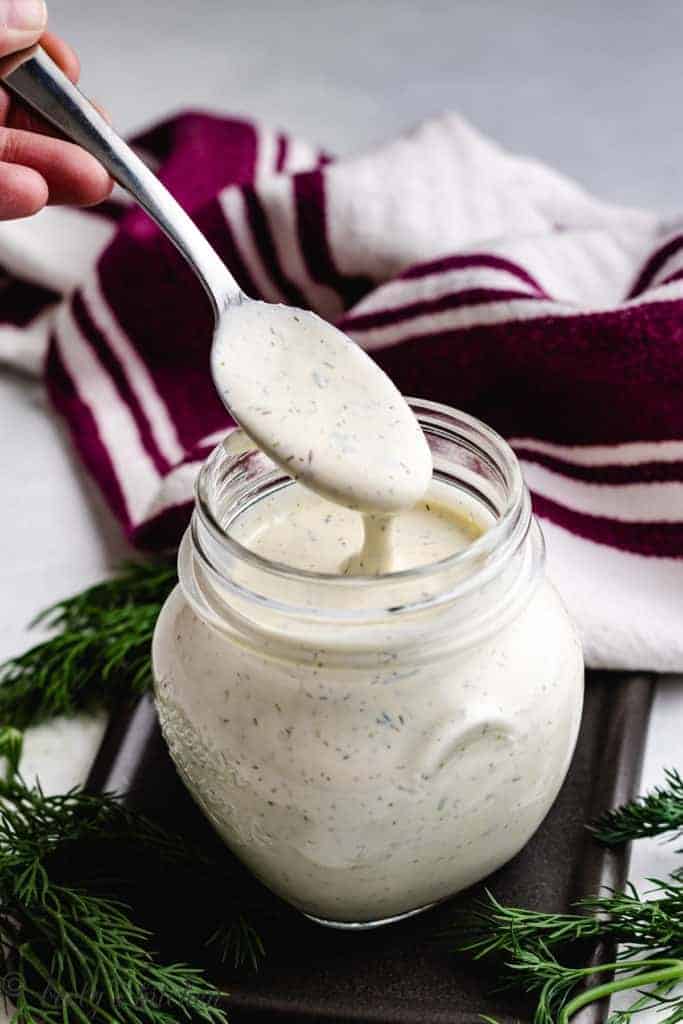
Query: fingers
36	168
62	54
22	192
70	175
22	22
68	61
14	113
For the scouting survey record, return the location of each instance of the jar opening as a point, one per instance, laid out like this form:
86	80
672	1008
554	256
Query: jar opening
467	455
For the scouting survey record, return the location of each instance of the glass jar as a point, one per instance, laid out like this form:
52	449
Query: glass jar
370	746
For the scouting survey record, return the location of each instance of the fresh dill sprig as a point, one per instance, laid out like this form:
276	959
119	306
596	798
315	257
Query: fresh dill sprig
529	944
11	745
99	655
655	814
75	957
643	924
533	946
239	943
558	987
71	952
34	827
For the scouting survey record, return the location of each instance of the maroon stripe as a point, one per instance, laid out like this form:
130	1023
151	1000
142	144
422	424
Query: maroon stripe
21	302
641	473
664	540
604	378
84	432
96	339
226	246
472	259
263	237
201	154
157	140
676	276
109	209
428	307
202	451
281	153
163	531
171	331
312	231
654	263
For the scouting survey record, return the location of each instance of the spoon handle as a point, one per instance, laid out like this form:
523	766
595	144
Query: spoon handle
35	77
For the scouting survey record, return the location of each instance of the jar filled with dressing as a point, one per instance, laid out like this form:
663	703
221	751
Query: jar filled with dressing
369	736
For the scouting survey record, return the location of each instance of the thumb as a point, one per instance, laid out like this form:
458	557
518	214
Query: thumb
22	22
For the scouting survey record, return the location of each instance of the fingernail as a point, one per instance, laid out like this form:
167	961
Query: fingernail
23	15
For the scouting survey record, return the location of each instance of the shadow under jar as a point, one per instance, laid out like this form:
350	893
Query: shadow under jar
369	746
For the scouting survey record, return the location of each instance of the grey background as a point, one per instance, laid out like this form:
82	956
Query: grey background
592	87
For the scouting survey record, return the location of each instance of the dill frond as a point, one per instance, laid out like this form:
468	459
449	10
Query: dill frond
79	957
11	745
642	923
532	947
239	943
655	814
99	655
71	952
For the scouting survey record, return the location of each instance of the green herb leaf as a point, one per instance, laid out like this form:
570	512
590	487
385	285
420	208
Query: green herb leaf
72	953
239	943
100	655
11	745
533	947
659	812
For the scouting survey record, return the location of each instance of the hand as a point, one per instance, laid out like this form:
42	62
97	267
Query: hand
35	167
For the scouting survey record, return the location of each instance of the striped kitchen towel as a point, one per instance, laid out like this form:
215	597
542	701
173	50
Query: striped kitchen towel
476	278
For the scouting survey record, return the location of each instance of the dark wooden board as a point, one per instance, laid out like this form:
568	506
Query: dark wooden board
399	974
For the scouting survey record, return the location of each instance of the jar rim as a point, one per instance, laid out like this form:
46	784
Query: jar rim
500	539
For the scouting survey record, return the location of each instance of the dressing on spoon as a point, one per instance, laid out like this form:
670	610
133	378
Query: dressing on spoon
320	408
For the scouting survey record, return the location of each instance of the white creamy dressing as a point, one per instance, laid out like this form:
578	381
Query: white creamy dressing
359	782
302	530
320	408
359	786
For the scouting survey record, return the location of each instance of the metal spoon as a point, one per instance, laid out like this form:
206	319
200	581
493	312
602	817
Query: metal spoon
357	442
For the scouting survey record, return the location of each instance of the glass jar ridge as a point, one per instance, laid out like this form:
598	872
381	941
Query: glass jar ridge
465	596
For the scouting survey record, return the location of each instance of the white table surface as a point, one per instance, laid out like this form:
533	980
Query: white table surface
591	88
